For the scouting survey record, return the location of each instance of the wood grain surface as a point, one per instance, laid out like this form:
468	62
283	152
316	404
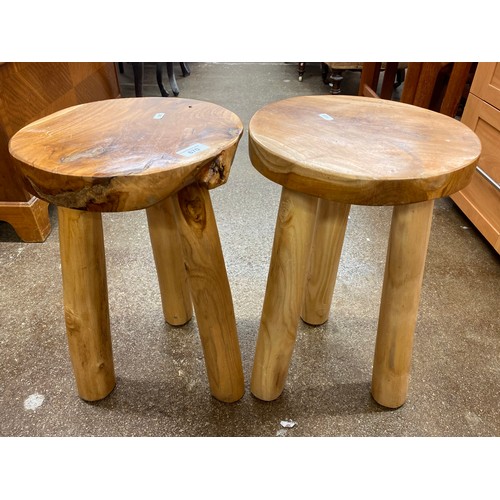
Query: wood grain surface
404	270
126	154
86	309
210	292
329	232
169	261
284	293
362	151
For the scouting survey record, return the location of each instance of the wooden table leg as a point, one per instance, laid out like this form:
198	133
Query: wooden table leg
86	302
329	232
169	260
404	269
284	293
211	294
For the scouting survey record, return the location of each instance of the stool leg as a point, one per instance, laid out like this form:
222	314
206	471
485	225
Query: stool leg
329	232
169	260
404	269
86	302
284	293
213	303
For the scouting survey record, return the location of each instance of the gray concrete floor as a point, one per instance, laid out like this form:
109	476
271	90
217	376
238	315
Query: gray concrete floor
162	388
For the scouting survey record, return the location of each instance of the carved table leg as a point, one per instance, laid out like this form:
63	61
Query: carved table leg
86	302
335	80
331	223
284	293
211	294
169	260
404	269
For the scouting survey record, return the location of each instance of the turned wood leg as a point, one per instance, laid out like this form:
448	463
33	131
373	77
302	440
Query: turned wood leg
213	303
169	260
335	81
404	269
86	302
329	232
284	293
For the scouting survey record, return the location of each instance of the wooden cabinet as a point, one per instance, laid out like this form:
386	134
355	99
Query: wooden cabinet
480	200
29	91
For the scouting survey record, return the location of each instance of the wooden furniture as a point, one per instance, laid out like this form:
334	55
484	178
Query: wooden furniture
480	200
328	153
138	69
332	73
370	75
131	154
28	92
438	86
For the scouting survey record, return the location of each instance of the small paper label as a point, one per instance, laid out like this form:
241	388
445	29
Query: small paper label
158	116
192	150
326	116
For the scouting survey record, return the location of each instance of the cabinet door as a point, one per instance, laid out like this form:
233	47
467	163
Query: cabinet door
486	83
480	200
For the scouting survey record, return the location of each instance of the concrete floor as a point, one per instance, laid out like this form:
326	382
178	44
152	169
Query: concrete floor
162	389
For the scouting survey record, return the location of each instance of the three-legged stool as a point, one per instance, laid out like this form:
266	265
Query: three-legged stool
328	153
156	154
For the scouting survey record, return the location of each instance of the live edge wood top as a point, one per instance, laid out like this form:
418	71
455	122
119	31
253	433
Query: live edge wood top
362	150
128	153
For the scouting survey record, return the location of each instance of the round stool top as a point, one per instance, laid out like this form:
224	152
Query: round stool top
127	153
362	150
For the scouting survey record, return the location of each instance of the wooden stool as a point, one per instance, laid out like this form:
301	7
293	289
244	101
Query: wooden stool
350	150
130	154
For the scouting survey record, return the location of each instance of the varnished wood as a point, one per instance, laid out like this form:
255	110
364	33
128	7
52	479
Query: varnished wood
480	200
393	76
438	86
372	151
169	260
404	269
210	292
30	219
284	293
486	83
116	155
86	307
368	80
329	232
46	87
391	69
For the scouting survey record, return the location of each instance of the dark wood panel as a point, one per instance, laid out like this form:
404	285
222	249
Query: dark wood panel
30	91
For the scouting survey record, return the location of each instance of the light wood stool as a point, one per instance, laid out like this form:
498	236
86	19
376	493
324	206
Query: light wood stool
156	154
347	150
